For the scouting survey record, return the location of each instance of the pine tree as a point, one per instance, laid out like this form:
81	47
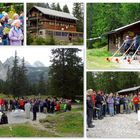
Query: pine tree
47	5
90	80
66	9
66	73
17	79
8	81
58	8
14	77
23	81
78	12
53	6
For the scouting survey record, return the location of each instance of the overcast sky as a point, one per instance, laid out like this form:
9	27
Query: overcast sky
69	4
30	54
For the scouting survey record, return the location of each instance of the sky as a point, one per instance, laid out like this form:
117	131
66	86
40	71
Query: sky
30	54
69	4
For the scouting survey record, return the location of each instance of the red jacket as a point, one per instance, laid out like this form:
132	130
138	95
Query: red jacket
93	99
2	102
135	100
58	107
21	103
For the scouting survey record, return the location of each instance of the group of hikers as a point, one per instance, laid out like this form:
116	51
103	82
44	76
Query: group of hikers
49	105
100	104
131	44
11	29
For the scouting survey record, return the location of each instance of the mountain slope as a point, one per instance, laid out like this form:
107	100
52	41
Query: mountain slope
33	71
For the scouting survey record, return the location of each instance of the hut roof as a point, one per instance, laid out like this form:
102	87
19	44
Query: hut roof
47	11
128	89
123	27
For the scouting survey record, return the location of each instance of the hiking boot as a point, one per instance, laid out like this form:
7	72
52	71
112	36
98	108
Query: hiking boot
91	126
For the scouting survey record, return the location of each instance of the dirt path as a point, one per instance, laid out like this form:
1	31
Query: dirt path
16	119
20	119
119	126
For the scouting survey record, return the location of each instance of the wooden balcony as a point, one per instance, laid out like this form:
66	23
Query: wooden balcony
34	18
33	27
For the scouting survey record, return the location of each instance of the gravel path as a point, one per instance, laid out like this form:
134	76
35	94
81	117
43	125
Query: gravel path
12	119
125	65
119	126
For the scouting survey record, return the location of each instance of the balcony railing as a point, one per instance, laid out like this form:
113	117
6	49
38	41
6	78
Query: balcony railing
33	18
33	27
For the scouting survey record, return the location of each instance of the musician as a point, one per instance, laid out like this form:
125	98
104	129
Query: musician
136	42
127	43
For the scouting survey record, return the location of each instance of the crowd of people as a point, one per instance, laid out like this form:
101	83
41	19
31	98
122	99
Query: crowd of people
49	105
132	43
99	105
11	29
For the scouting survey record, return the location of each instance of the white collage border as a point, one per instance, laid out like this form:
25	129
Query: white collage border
83	47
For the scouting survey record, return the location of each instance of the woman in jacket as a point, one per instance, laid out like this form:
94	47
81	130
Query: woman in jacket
110	101
15	34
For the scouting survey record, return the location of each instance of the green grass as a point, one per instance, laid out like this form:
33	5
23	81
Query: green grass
96	59
67	124
23	130
99	52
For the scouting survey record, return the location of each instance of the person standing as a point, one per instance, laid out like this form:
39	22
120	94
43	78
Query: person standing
99	101
90	106
127	43
53	104
35	109
136	102
103	104
1	28
110	101
27	109
127	102
21	104
48	105
15	34
93	96
4	119
121	104
136	42
58	106
117	104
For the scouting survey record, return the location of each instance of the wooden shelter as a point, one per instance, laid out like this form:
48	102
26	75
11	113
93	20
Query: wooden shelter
132	90
116	37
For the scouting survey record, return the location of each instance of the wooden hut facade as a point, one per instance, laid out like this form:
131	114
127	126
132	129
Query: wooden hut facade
43	22
116	37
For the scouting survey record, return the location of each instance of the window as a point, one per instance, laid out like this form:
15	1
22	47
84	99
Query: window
58	33
51	23
57	24
64	34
